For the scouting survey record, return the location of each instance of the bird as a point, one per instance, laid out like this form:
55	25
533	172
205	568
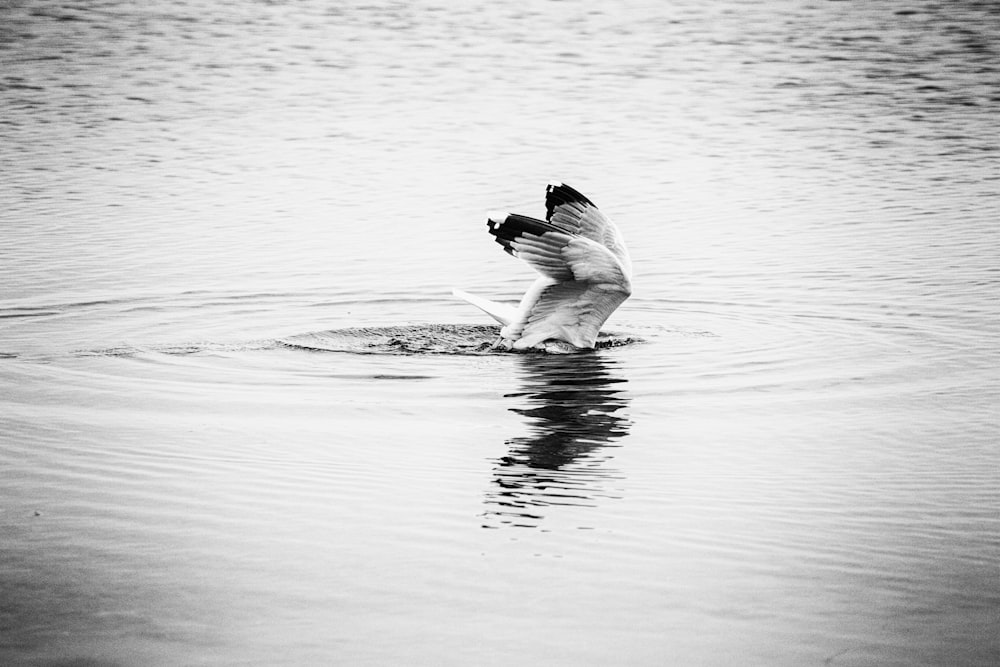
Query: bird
586	273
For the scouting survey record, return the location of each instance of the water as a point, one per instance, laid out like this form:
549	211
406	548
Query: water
797	465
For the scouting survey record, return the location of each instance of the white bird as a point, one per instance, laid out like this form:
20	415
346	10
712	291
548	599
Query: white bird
586	273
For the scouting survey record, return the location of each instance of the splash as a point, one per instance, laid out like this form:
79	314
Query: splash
445	339
418	339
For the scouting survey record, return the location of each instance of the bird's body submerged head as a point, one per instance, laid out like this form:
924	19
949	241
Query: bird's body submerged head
549	345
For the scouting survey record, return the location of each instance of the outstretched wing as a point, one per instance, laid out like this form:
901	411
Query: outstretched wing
583	282
570	211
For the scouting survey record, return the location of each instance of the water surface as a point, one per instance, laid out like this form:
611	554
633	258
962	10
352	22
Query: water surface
204	460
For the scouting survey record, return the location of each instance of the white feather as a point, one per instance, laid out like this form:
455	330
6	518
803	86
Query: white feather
501	312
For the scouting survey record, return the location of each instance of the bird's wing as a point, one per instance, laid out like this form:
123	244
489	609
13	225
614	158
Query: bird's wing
584	282
573	311
537	242
572	212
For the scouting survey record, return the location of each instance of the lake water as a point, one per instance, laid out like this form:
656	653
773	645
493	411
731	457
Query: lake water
799	464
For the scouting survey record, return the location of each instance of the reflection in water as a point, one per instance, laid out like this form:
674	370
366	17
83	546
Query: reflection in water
571	405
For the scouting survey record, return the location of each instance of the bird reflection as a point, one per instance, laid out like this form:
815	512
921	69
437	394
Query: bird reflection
572	405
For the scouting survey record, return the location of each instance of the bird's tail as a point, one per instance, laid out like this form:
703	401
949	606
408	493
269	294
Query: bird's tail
502	312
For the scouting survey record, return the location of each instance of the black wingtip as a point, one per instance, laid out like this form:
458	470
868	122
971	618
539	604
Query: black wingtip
515	225
512	226
496	223
558	194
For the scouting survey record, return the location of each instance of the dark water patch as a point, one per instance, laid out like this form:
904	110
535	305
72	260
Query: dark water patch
176	350
462	339
575	414
27	312
120	351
